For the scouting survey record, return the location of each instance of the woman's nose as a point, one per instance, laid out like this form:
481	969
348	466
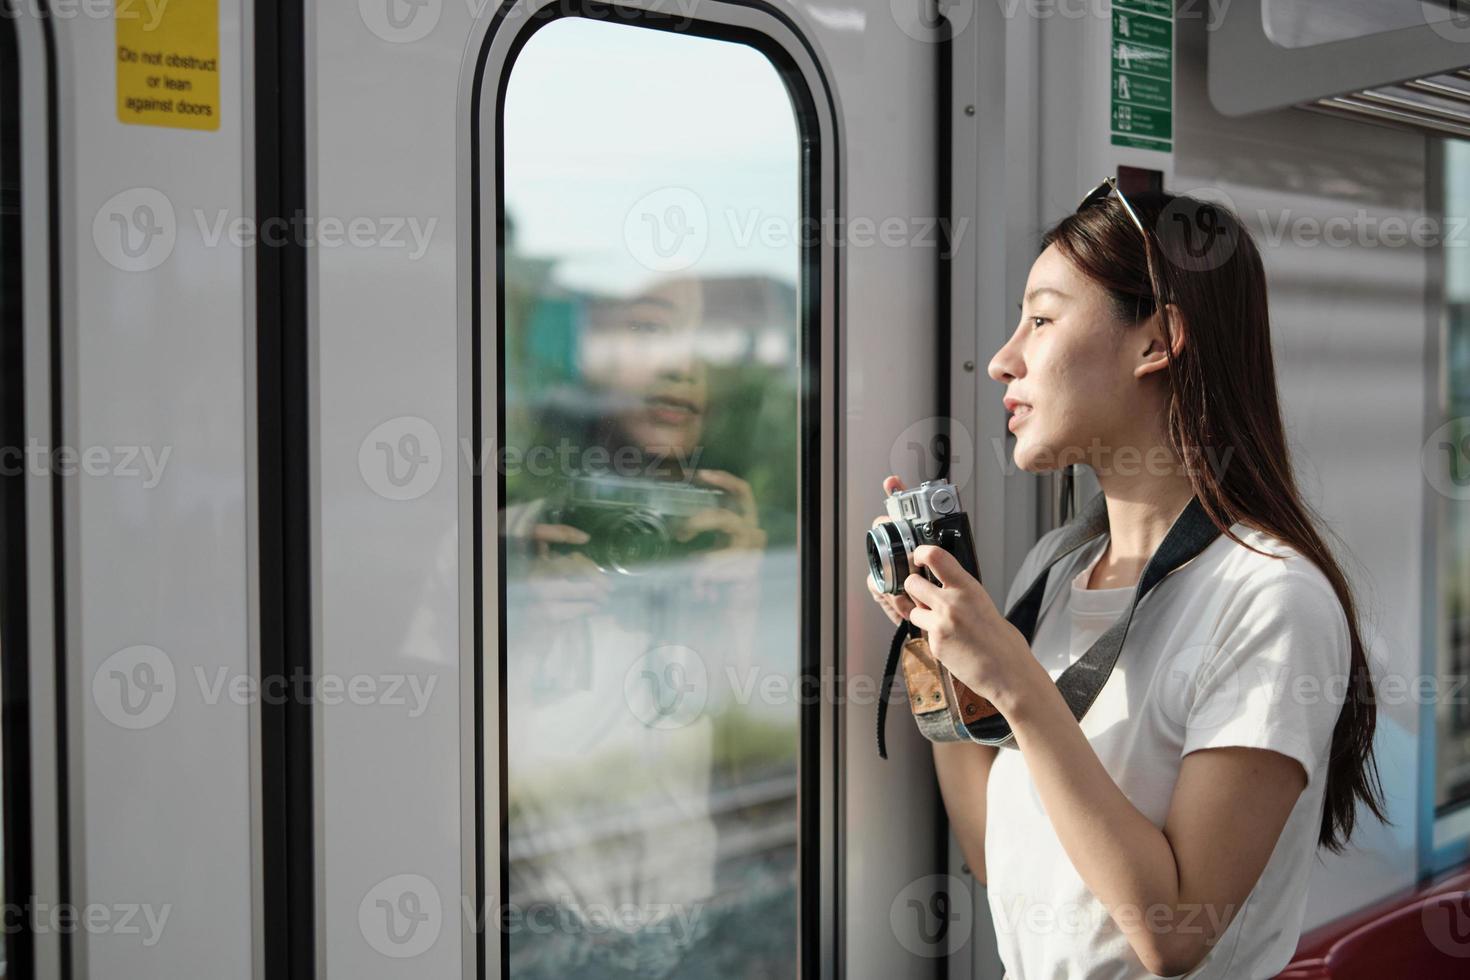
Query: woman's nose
674	355
1007	364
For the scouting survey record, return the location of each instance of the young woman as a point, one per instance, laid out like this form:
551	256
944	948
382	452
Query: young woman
1174	828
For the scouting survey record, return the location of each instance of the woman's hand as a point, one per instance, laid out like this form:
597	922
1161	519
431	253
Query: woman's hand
736	559
740	525
967	633
563	586
895	607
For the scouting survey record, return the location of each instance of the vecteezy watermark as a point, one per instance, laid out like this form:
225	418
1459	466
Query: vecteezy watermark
95	918
667	687
1446	923
1083	918
938	444
1193	232
400	21
1195	237
137	230
409	233
402	458
150	12
756	684
1449	21
135	687
568	916
846	231
401	916
1445	459
667	230
932	21
1205	687
933	915
567	459
1200	687
127	462
1193	691
409	691
1119	460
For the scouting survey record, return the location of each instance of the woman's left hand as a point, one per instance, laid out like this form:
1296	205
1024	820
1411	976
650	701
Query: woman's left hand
736	559
740	524
967	633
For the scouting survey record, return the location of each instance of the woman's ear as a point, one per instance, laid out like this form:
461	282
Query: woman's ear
1156	341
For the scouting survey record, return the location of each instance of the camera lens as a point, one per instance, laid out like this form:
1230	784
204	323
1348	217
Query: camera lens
888	558
633	540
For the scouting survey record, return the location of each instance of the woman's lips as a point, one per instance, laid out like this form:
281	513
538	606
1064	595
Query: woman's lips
1019	414
669	416
671	411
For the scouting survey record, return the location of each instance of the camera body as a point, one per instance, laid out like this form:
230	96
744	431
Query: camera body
632	523
928	514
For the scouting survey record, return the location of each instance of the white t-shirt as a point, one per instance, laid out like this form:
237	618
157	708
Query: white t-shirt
1233	648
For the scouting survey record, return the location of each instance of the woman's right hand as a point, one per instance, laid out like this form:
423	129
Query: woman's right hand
564	586
895	607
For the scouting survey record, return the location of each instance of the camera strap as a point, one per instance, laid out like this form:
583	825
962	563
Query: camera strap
1081	682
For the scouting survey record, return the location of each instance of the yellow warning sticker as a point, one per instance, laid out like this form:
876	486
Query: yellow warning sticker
168	63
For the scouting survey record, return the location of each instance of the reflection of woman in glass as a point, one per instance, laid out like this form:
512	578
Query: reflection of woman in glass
640	414
632	589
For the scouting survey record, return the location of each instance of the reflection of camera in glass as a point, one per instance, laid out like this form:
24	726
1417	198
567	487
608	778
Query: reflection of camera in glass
928	514
632	523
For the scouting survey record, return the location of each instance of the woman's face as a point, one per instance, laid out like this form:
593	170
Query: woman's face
1069	370
643	354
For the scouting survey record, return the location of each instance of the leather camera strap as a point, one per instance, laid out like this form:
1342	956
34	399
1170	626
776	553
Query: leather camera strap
1080	684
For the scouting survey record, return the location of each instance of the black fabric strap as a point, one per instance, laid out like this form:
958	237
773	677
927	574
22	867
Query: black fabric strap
890	667
1080	684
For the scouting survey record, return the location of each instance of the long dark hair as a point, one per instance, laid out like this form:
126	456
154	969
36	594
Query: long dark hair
1224	400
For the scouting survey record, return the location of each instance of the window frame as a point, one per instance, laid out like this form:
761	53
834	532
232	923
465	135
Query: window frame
15	775
774	34
38	808
1444	838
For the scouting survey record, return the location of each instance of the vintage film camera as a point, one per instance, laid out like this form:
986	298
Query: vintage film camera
928	514
943	707
632	522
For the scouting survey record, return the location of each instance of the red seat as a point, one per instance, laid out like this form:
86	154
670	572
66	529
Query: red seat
1421	932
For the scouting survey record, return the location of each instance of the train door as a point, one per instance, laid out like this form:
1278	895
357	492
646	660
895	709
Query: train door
644	301
128	636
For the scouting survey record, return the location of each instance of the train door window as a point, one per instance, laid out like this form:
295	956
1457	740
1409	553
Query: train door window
1448	467
651	382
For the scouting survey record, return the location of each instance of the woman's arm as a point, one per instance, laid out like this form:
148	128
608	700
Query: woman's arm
1172	891
964	769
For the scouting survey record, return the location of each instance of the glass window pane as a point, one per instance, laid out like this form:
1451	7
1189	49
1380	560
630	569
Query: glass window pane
652	381
1451	445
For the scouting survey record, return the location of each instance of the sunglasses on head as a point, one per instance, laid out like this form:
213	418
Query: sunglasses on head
1104	190
1108	187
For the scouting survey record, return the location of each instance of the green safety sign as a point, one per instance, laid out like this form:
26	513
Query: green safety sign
1142	88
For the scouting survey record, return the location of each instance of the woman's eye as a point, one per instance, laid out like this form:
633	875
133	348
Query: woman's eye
1037	321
